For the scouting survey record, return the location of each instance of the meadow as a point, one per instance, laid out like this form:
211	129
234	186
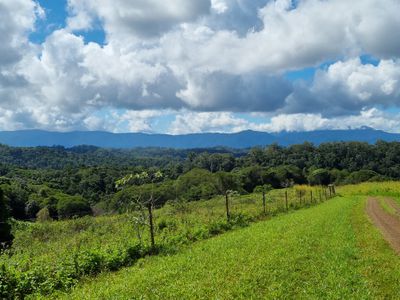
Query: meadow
330	251
305	249
55	255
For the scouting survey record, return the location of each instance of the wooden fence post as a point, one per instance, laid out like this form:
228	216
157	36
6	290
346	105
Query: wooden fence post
228	214
286	200
264	203
151	224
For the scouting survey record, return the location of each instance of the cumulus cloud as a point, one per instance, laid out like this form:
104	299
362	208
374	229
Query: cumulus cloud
144	18
208	58
219	91
228	122
307	122
189	122
346	87
17	19
124	121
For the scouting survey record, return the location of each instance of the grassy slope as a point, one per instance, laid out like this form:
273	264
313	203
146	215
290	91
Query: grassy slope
53	243
329	251
56	255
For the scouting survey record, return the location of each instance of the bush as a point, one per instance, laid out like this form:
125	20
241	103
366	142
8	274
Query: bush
361	176
68	207
218	227
43	215
8	282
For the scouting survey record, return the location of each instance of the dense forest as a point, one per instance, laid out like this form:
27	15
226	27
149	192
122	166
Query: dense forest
58	182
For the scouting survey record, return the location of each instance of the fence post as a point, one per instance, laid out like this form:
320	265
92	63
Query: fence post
264	204
228	214
286	200
151	223
311	194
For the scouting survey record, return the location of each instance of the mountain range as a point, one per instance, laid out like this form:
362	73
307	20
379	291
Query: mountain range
244	139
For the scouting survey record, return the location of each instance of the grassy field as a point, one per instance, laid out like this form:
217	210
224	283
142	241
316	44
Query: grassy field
55	255
326	251
329	251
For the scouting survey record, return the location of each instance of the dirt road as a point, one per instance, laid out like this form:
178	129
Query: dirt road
387	223
393	204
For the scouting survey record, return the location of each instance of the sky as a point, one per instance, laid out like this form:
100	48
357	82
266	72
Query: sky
179	66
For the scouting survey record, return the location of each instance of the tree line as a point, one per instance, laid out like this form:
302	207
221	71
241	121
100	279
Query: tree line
63	183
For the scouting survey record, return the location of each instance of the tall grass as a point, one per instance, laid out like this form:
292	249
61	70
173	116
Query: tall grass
389	189
55	255
331	251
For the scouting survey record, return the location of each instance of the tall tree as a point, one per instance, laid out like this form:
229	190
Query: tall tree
5	228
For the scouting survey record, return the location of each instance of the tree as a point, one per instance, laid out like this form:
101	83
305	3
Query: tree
5	228
252	177
319	177
146	198
196	184
72	206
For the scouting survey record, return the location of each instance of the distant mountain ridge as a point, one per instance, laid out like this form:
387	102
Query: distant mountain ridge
244	139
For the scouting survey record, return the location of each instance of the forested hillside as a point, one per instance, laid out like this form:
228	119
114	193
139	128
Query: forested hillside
82	180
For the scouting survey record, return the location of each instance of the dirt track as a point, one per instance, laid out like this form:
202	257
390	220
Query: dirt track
393	204
387	223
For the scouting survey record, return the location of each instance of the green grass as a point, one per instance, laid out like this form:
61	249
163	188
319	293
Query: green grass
55	255
316	252
331	251
386	207
379	263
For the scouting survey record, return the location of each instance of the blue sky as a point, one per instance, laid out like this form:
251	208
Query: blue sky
208	65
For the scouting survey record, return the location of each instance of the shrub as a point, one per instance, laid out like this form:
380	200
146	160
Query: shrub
361	176
43	215
218	227
68	207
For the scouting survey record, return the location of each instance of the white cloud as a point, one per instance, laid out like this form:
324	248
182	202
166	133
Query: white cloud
228	122
308	122
347	87
190	122
17	19
144	18
212	57
368	84
124	121
219	6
